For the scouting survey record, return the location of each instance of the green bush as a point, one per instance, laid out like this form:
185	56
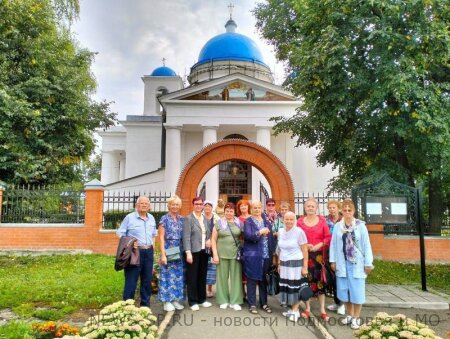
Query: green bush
16	329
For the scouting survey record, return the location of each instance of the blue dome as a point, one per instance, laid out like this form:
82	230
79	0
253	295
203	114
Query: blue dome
230	46
163	71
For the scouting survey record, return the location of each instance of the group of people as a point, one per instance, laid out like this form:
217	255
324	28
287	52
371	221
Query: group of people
234	247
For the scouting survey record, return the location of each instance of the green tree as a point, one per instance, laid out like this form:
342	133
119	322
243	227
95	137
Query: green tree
374	77
47	114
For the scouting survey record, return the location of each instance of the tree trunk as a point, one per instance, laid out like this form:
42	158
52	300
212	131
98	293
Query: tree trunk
436	205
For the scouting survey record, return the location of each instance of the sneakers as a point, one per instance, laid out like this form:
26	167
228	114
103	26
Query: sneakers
356	323
224	306
195	307
333	307
177	305
340	309
236	307
347	320
206	304
168	307
292	315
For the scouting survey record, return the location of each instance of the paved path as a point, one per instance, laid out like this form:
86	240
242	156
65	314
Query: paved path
215	323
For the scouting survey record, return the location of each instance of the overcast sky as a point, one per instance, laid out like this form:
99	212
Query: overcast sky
132	36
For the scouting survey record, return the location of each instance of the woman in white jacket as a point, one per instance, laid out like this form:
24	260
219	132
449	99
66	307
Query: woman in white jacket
352	259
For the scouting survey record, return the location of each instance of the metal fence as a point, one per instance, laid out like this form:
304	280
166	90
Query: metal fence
116	205
42	205
321	198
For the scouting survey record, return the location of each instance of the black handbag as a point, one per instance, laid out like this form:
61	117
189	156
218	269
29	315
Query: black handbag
273	281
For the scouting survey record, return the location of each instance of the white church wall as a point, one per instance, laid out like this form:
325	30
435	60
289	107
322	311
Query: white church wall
307	176
191	144
151	86
147	183
143	149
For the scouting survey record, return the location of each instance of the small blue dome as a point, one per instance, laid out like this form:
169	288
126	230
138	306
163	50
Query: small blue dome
230	46
163	71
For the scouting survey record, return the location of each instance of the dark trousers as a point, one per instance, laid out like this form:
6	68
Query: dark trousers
196	278
145	271
251	287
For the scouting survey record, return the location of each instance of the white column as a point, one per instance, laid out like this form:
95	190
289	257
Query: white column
212	177
110	167
263	136
173	157
263	139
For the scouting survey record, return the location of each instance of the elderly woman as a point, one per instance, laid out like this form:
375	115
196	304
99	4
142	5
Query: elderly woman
279	222
318	236
243	210
258	251
333	217
352	259
292	253
211	219
225	243
196	243
270	213
171	277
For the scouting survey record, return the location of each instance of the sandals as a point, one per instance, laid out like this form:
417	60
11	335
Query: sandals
305	314
266	308
253	310
324	317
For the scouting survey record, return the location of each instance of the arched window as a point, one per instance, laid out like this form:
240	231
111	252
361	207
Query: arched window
236	136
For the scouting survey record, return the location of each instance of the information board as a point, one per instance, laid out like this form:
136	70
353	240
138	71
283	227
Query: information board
381	209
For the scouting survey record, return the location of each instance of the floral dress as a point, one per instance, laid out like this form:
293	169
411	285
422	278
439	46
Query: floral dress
171	276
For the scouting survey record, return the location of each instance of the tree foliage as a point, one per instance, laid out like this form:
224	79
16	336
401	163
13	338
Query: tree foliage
47	114
374	77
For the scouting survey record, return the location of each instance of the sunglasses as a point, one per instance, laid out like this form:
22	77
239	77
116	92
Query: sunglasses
270	204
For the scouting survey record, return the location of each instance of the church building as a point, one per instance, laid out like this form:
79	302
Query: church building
231	96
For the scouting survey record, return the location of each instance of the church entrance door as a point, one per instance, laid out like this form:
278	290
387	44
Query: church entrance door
235	152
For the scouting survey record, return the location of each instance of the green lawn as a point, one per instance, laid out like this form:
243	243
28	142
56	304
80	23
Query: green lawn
395	273
68	283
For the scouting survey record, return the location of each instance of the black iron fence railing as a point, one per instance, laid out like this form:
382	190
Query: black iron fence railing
322	199
116	205
42	205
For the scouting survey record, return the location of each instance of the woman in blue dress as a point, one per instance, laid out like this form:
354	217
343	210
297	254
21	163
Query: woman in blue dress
171	275
259	247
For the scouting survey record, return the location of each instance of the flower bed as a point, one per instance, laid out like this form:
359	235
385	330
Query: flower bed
384	326
121	319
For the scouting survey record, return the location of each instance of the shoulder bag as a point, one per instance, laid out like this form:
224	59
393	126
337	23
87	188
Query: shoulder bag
239	255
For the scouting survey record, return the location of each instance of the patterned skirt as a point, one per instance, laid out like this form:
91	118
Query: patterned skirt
314	269
211	272
290	275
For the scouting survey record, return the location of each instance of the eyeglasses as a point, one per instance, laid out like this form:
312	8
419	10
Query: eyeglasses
347	211
198	204
271	204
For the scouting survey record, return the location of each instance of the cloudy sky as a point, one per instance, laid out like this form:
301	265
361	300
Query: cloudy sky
132	36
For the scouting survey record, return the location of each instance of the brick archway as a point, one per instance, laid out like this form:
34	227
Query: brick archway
270	166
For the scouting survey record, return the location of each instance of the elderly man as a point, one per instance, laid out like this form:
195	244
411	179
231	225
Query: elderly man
142	226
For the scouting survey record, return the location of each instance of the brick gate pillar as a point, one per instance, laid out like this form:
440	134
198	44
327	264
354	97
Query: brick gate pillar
93	205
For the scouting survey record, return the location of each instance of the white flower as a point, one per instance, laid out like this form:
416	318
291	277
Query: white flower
405	334
375	334
426	332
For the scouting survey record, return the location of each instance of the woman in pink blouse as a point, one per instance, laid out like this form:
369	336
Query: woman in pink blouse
318	236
